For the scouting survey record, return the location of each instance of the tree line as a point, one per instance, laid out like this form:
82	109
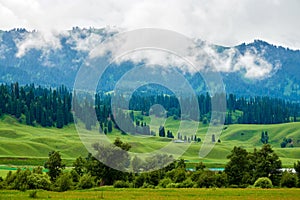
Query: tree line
36	105
53	107
263	110
254	110
260	168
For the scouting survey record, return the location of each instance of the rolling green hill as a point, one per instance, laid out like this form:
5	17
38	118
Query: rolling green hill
26	145
22	144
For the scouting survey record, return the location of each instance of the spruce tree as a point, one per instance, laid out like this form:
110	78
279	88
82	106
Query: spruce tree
60	117
162	131
262	139
213	138
27	116
109	126
54	165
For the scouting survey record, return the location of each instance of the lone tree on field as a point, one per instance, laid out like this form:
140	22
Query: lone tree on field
237	169
213	138
115	156
54	165
264	137
266	163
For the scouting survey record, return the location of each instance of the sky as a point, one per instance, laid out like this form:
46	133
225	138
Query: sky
222	22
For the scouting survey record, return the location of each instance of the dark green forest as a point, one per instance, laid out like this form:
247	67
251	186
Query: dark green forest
48	107
39	106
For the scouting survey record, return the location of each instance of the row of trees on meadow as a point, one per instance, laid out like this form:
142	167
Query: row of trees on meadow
53	107
260	168
254	110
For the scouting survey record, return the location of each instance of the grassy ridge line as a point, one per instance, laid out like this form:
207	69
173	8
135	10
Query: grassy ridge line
19	142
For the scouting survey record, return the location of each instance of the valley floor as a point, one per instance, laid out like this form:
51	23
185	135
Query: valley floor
22	145
142	194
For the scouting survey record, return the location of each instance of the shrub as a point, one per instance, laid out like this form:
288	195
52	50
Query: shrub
39	181
86	182
63	183
139	181
283	144
164	182
2	183
188	183
263	182
195	175
288	180
206	179
221	180
74	175
173	185
153	178
177	175
200	166
147	185
10	177
233	186
180	175
205	120
121	184
20	181
37	170
33	194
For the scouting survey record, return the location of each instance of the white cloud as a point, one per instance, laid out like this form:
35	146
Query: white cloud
80	40
153	57
226	23
36	40
254	65
251	63
86	43
218	21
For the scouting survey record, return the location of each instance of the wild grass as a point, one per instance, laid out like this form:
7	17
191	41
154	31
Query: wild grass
142	194
29	146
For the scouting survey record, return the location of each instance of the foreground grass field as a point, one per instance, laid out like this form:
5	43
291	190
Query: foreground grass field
142	194
23	145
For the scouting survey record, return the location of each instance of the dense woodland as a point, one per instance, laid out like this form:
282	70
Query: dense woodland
37	105
53	107
255	110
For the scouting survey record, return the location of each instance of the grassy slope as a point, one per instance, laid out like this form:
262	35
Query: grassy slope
26	145
32	144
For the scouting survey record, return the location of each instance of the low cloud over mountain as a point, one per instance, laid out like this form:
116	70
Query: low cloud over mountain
53	58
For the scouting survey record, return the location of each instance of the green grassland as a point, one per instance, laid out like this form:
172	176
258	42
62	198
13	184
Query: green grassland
29	146
191	193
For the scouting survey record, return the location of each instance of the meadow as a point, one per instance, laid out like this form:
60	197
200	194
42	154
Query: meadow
142	194
22	145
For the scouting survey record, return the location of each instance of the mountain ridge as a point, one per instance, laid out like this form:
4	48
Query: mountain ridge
254	69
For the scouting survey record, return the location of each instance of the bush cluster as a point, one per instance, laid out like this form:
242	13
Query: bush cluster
89	172
263	182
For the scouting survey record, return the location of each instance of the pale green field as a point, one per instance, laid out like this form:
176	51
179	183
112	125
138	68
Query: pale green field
3	173
26	145
142	194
